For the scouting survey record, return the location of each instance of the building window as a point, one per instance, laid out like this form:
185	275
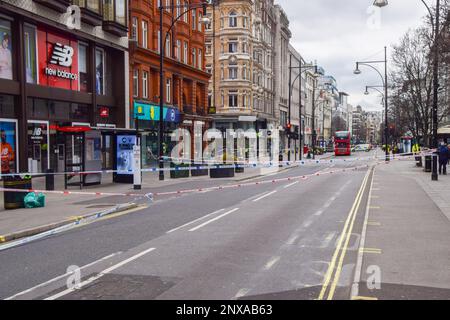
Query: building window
6	70
168	5
178	50
115	10
194	23
100	71
185	16
168	82
158	45
232	71
209	68
144	84
199	22
233	19
178	8
185	53
167	46
30	53
134	29
200	60
232	99
232	46
193	57
136	83
144	34
82	67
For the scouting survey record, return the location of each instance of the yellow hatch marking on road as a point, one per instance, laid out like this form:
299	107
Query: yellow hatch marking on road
375	197
370	250
346	231
374	208
376	189
363	298
373	223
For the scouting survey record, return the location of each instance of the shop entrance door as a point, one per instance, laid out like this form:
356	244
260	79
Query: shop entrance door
73	158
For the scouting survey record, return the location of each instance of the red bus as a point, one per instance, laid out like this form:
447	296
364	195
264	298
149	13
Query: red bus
342	141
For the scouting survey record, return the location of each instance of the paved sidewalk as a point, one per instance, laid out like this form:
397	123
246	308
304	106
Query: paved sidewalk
63	209
408	234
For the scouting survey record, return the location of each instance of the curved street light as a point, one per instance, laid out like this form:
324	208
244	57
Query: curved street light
435	33
384	81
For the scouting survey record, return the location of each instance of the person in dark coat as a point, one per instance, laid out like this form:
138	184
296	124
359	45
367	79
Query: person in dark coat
444	155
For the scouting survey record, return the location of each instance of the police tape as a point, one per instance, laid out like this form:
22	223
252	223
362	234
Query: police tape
268	164
150	196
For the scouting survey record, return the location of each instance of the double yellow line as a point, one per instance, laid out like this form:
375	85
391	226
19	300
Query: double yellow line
331	282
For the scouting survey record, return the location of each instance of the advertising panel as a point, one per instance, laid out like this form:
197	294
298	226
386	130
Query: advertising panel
5	50
8	146
144	111
125	144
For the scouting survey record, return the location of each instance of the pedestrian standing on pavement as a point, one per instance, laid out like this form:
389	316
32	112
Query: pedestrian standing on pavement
444	154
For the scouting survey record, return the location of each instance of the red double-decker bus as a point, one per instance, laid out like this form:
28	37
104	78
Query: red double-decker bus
342	143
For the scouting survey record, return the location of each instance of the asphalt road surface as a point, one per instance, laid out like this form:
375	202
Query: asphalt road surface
294	239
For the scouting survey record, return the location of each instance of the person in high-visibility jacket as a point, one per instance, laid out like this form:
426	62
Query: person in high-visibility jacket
416	148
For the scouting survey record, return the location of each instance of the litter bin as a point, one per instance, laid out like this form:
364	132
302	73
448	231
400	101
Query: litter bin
14	199
427	164
50	180
419	161
280	160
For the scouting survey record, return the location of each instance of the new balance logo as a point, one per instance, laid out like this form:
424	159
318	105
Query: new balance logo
62	55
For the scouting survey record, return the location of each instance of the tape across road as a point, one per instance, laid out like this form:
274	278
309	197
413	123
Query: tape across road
213	165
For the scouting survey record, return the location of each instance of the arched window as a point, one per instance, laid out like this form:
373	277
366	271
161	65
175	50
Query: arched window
232	19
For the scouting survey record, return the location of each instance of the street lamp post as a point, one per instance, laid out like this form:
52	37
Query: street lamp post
436	30
291	85
385	86
162	41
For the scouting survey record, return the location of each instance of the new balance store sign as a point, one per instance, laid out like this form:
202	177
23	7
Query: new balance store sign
58	60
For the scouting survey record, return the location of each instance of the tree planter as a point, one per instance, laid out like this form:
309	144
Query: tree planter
221	172
181	172
199	172
239	169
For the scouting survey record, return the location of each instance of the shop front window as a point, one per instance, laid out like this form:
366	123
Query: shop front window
6	106
30	53
82	67
79	112
6	66
8	146
100	71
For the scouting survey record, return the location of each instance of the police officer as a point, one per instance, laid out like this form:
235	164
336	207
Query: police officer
444	154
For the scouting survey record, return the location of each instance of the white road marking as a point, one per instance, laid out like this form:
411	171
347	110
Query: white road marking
242	292
290	185
271	263
214	219
60	277
359	260
307	223
265	196
328	239
101	274
292	239
194	221
318	213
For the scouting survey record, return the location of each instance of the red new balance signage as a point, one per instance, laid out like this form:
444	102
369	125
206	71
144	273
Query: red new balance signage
58	60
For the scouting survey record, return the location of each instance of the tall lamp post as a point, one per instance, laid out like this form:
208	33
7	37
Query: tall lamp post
302	68
436	30
162	41
384	80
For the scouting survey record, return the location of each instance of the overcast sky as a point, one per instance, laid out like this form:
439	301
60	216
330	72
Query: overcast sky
337	33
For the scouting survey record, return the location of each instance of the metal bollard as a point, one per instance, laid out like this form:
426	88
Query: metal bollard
434	174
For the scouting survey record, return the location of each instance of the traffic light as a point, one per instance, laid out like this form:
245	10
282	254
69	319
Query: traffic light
288	127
